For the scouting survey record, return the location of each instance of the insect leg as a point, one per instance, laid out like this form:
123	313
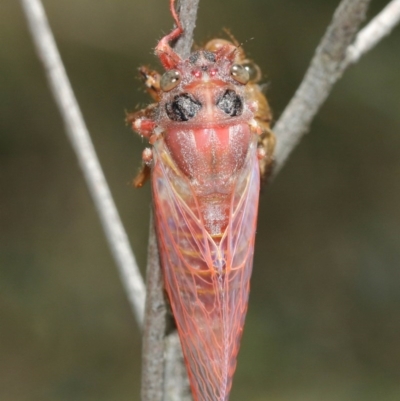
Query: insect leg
167	56
142	121
144	173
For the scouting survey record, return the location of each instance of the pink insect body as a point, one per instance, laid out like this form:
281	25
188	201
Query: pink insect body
206	240
205	167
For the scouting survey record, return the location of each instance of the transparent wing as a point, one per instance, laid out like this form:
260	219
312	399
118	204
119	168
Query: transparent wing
207	282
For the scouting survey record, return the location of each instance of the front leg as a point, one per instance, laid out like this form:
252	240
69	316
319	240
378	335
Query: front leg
144	173
142	121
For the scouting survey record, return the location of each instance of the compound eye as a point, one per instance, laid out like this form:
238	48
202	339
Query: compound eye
230	103
240	74
253	70
183	108
170	80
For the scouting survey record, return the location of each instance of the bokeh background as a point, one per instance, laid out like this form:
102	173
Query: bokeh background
324	317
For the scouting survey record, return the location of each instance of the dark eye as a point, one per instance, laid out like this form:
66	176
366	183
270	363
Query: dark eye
182	108
230	103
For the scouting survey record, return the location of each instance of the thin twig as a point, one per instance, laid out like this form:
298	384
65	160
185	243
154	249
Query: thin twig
174	385
80	139
187	12
154	326
177	387
326	68
381	26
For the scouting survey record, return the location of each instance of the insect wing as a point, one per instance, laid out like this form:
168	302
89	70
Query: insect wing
207	281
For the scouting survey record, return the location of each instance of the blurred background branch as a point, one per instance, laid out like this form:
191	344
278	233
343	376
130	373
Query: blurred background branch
336	51
79	137
325	69
380	26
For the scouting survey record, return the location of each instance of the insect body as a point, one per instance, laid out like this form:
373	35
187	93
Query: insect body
210	134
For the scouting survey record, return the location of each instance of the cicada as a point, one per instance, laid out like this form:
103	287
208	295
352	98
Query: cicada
211	143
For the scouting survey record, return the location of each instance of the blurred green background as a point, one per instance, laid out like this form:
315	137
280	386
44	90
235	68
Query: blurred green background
324	317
